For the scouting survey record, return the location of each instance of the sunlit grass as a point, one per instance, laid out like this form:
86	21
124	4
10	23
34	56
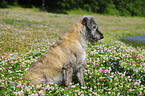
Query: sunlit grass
30	25
113	68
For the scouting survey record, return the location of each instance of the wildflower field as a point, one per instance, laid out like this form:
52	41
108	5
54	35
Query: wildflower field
113	68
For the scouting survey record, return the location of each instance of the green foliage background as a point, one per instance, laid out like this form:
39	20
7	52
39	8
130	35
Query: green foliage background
110	7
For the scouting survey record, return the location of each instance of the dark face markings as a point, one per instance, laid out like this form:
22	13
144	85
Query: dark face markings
92	31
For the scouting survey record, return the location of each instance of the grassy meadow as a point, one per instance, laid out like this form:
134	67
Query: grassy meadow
113	68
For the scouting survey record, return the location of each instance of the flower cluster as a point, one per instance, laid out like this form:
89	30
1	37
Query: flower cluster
114	70
112	67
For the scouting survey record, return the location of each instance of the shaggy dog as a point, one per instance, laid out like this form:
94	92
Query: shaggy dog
66	57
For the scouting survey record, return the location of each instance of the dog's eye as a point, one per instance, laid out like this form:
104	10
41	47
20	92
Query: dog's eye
94	27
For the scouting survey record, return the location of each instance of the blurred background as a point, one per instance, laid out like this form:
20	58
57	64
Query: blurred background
109	7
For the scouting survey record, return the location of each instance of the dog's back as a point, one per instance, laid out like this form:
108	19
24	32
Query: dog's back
66	56
49	67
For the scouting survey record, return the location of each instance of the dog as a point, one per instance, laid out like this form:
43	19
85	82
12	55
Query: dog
67	56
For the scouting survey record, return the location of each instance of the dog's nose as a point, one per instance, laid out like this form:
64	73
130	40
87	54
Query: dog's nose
101	37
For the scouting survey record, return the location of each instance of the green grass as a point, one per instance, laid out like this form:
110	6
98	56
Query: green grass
19	23
113	67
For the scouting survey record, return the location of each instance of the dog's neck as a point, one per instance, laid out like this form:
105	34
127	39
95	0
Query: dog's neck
73	32
83	38
77	33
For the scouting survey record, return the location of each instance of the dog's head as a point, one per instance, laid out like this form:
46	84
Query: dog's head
92	32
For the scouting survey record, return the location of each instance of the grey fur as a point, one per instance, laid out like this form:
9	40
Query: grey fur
66	58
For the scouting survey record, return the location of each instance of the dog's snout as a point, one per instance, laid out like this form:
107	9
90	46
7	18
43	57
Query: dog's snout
101	37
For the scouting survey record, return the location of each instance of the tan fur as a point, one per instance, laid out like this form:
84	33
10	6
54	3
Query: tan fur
52	62
69	53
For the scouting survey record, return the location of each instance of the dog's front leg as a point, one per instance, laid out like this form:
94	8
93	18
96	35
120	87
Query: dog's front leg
67	74
64	74
80	74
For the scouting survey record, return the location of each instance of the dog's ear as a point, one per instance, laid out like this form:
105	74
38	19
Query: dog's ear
86	22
